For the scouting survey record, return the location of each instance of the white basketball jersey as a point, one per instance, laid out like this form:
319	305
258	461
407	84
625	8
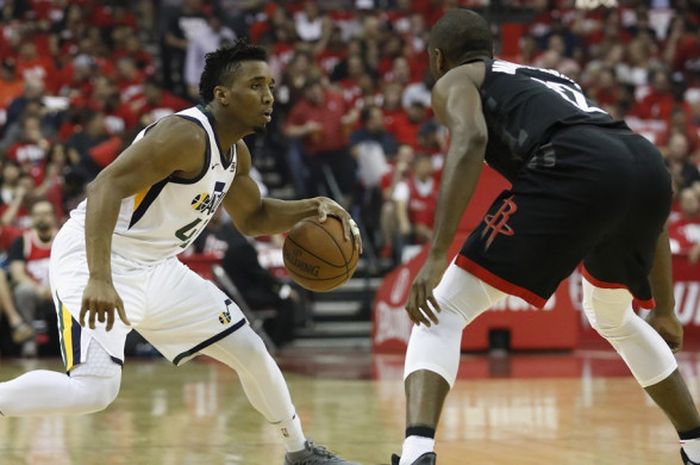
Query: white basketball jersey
162	220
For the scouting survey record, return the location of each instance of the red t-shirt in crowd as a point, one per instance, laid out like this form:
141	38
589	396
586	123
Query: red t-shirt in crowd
333	135
683	233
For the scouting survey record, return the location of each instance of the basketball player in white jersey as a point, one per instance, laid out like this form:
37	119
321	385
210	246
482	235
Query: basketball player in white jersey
117	251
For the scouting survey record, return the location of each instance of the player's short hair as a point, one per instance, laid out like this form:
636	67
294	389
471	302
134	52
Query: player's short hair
221	65
462	34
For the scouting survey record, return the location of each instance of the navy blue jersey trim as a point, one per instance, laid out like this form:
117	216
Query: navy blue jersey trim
207	156
147	201
226	163
208	342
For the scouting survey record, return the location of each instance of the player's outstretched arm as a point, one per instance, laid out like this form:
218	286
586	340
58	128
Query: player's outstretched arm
168	148
457	105
256	216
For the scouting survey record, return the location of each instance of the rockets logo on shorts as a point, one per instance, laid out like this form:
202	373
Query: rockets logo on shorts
498	222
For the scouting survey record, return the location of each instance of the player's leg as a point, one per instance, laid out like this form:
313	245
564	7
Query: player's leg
89	387
432	358
90	356
647	355
267	391
198	318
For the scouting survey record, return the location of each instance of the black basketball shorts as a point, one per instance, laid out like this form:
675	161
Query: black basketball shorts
594	195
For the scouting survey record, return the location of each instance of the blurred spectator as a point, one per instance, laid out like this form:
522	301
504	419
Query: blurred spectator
683	46
310	25
34	67
684	226
635	67
659	102
33	92
684	173
406	124
372	145
322	120
82	142
433	142
419	91
416	200
185	24
11	86
15	192
205	41
389	225
20	330
29	265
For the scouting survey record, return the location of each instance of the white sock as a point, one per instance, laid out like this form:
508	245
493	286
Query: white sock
292	434
692	449
414	447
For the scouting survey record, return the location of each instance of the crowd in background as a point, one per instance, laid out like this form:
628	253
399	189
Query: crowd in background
79	78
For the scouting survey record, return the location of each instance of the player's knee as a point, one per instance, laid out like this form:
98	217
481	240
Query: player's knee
96	393
608	310
249	346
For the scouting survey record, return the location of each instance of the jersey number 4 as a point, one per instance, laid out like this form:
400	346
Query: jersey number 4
187	232
571	95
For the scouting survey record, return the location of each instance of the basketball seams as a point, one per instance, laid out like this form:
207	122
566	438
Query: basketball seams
316	256
334	286
345	259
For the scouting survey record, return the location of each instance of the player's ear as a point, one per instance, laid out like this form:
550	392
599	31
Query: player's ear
439	60
222	94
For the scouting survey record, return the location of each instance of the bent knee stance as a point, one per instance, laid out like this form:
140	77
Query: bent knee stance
462	297
610	313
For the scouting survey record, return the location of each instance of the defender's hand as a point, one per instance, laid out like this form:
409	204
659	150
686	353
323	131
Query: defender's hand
100	299
328	207
669	328
422	292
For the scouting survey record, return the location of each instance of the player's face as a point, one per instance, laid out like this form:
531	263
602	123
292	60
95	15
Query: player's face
252	96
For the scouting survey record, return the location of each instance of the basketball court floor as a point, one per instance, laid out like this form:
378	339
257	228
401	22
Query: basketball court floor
531	409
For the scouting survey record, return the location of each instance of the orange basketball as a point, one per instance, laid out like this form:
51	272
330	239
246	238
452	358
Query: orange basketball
317	255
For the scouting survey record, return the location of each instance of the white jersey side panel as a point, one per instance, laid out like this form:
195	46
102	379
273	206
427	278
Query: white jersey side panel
165	218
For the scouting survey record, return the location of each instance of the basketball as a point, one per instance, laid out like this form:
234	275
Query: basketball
317	255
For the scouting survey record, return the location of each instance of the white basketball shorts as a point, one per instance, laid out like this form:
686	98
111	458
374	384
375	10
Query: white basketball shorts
171	306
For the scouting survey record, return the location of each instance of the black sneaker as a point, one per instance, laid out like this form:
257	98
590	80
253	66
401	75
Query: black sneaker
429	458
686	460
314	455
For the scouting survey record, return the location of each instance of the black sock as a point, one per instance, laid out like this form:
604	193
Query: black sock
688	435
422	431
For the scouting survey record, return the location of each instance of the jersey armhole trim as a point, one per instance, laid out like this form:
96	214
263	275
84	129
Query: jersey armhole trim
207	156
147	201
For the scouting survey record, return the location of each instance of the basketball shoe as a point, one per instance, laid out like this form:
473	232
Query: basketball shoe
314	455
428	458
686	460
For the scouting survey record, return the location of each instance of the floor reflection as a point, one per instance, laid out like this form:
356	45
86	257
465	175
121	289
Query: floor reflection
528	409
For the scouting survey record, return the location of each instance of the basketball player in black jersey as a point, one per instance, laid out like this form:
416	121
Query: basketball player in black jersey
585	189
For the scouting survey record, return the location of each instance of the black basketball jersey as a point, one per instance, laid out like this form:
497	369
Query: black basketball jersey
523	105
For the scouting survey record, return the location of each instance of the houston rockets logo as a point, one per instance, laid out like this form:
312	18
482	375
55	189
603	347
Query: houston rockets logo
498	222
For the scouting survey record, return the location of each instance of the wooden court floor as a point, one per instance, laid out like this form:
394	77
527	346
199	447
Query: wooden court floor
581	409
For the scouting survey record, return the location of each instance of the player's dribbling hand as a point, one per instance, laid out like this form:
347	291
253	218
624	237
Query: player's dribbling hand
421	294
669	328
100	299
329	207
